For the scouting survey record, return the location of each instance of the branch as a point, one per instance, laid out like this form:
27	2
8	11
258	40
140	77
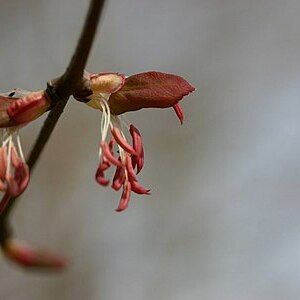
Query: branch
70	81
59	92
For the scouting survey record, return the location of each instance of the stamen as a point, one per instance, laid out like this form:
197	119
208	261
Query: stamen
179	112
21	177
137	160
138	189
136	140
20	148
100	178
104	122
140	162
109	155
3	162
131	156
119	178
5	141
108	112
125	197
129	169
12	186
8	170
15	159
121	140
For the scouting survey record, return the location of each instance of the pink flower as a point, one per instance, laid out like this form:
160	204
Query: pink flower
114	94
16	109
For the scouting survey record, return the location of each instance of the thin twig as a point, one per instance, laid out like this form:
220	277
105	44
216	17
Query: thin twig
70	81
59	93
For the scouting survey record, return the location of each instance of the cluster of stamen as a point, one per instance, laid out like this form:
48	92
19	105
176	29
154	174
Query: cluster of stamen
130	160
14	172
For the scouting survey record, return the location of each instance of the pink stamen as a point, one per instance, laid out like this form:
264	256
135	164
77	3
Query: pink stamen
123	204
17	184
118	179
129	168
3	162
179	112
117	184
140	162
12	186
136	140
107	154
22	176
121	141
138	189
137	160
100	177
104	166
15	159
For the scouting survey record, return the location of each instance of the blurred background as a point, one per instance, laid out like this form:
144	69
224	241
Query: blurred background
223	218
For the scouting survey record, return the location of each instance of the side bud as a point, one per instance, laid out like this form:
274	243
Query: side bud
28	257
27	108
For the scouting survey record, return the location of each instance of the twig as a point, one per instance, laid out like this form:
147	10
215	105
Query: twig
70	81
59	93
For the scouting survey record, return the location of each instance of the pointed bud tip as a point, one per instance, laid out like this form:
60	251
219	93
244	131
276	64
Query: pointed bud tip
116	133
28	108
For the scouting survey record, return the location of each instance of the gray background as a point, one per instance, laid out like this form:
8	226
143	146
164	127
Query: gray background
223	218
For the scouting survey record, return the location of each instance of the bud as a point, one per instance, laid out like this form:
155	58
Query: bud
28	257
27	108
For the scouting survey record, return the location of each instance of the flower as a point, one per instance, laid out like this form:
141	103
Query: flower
114	94
17	108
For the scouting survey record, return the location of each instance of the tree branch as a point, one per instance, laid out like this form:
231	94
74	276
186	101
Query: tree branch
70	81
